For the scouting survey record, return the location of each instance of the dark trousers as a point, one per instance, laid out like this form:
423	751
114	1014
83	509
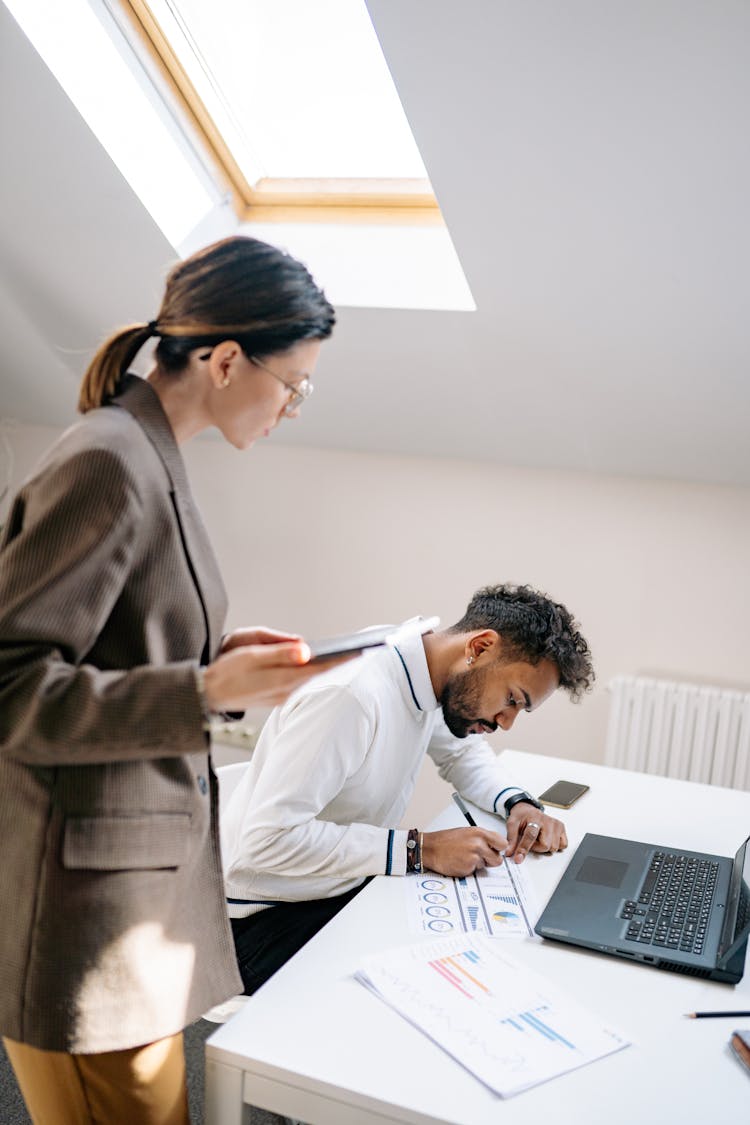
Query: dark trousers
265	941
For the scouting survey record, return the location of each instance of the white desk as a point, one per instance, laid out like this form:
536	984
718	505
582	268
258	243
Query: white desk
315	1044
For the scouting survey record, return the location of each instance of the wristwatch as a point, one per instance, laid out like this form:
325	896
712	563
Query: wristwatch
516	799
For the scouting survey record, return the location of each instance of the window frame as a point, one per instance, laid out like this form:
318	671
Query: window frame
378	201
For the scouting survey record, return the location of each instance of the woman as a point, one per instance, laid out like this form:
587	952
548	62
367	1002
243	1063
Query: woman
114	934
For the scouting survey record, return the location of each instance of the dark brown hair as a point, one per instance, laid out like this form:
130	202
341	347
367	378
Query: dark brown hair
240	289
532	628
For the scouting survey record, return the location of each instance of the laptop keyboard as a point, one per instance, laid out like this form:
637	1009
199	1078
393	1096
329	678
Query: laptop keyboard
674	903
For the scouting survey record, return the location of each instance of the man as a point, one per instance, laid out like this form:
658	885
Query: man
336	765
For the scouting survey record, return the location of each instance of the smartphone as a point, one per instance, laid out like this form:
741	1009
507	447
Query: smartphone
351	643
562	794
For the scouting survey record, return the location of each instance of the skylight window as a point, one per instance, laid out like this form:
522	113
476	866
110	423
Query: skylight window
302	87
277	118
294	100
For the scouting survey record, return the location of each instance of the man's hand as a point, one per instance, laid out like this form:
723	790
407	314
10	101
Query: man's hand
531	830
461	851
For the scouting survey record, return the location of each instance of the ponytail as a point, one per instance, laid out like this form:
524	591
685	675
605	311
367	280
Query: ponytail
110	363
239	289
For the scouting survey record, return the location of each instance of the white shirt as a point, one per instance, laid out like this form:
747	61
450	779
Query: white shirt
332	774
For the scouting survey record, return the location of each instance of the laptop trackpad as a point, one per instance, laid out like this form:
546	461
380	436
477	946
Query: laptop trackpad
603	872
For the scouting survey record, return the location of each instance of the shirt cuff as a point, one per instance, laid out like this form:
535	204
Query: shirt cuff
396	852
200	688
498	805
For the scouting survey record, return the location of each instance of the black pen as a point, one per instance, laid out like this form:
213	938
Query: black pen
715	1015
464	809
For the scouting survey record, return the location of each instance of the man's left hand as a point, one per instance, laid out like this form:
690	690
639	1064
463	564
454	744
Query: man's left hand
528	829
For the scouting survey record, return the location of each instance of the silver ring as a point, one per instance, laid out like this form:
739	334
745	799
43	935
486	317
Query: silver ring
532	824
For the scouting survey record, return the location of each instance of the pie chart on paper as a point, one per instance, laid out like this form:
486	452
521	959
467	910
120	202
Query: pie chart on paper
506	916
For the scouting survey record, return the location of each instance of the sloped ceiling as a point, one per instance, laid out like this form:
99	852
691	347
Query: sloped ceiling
592	161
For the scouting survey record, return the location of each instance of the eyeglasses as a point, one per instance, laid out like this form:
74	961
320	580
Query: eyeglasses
297	392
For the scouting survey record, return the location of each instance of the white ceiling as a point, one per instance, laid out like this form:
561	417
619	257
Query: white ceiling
592	160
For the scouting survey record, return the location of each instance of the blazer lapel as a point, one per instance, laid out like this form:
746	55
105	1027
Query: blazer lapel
140	400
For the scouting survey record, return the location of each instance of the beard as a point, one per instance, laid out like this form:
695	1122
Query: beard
460	702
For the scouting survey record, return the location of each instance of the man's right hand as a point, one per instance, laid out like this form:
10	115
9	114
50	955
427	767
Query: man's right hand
461	851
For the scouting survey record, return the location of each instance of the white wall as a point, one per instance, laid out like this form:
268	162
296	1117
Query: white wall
320	541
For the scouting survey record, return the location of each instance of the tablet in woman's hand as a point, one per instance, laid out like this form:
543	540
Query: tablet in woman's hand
351	643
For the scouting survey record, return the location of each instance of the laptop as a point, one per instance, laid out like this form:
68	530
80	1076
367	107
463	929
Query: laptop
687	912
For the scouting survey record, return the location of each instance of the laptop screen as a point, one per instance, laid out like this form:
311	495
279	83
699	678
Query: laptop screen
737	920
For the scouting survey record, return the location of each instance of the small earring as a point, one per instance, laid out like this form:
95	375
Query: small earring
469	659
225	382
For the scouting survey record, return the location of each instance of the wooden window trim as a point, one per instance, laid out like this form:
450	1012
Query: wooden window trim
407	201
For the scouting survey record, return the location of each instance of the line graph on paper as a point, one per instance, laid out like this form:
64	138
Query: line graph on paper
497	901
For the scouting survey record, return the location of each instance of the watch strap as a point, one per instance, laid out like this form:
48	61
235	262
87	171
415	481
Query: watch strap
517	798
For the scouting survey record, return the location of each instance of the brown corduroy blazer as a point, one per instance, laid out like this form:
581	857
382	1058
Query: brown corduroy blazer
113	925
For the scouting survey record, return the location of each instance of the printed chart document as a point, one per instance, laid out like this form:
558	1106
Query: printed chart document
495	900
506	1024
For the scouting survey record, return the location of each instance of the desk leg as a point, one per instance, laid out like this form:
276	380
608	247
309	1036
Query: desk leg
223	1097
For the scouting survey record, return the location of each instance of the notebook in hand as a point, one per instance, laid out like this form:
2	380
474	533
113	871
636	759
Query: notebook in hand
687	912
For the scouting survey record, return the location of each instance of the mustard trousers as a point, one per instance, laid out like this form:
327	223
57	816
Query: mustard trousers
141	1086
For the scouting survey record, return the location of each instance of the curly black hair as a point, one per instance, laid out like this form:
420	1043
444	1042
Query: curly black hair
533	628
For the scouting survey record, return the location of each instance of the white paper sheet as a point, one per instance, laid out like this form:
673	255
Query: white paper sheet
507	1025
496	900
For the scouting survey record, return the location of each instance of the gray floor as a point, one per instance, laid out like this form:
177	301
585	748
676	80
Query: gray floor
13	1111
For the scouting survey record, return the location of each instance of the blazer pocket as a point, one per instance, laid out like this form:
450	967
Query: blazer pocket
126	843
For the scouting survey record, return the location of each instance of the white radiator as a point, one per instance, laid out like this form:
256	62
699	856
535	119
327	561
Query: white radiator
691	731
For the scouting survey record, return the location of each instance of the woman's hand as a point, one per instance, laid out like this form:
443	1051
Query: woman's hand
257	669
255	635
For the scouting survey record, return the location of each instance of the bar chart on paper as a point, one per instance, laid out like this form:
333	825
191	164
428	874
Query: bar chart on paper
534	1022
509	1026
495	900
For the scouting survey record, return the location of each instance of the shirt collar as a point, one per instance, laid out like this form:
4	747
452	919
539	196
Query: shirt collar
410	654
